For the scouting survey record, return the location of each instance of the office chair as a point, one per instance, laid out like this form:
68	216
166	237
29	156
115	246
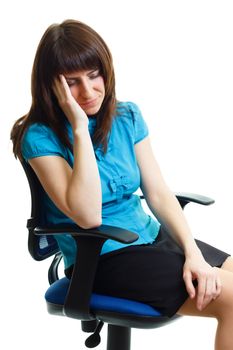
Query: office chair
74	298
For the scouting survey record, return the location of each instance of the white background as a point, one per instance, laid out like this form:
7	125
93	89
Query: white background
174	59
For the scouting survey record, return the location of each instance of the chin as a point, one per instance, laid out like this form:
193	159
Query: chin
92	111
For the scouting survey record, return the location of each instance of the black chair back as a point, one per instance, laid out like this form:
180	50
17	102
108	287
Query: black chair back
40	247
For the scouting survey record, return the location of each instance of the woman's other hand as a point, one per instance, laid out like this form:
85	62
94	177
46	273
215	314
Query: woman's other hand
74	113
209	284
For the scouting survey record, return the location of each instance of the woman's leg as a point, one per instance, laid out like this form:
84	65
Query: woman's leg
228	264
221	309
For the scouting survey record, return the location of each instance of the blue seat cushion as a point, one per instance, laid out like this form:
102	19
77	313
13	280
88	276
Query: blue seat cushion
56	294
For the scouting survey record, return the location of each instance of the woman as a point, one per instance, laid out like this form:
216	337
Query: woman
91	153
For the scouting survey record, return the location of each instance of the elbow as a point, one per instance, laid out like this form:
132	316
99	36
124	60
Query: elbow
91	224
88	223
84	220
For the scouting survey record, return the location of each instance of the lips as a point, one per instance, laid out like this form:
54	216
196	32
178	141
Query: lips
89	103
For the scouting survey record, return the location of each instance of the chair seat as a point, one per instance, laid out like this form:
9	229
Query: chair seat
56	294
117	311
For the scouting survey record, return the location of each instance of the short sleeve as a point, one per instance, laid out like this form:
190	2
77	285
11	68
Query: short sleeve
140	127
39	140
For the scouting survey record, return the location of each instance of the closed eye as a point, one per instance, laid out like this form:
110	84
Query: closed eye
71	82
94	74
76	80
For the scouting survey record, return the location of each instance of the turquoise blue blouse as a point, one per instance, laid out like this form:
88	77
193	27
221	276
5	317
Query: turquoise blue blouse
119	173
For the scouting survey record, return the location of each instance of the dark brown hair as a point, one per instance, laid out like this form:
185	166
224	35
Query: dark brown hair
64	48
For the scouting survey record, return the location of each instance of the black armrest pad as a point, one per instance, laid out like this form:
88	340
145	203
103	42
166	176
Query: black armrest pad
103	231
192	197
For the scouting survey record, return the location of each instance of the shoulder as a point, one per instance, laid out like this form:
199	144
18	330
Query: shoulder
127	109
38	134
38	129
129	114
39	139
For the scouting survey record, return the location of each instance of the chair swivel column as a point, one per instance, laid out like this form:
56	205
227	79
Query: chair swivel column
118	337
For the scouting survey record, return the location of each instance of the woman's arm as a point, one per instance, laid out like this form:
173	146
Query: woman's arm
164	205
77	191
161	201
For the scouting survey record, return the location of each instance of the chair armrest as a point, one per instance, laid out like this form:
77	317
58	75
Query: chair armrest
185	198
103	231
89	244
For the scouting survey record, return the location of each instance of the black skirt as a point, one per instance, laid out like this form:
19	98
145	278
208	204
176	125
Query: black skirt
150	273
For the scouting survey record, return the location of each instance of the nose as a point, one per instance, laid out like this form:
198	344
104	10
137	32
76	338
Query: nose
86	89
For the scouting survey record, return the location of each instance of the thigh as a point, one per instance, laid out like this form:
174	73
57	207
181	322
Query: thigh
149	274
218	308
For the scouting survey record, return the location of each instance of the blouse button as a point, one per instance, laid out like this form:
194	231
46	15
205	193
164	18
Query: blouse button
113	185
118	183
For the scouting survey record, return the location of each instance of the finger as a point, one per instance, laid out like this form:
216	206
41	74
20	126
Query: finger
217	285
210	291
60	81
201	292
187	276
61	88
66	92
56	86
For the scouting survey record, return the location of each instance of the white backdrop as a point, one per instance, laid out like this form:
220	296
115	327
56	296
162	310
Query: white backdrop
174	59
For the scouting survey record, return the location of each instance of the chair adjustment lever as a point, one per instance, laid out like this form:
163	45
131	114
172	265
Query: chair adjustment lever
93	340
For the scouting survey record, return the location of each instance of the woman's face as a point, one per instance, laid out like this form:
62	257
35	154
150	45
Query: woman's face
87	87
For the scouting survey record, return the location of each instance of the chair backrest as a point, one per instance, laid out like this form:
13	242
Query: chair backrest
40	247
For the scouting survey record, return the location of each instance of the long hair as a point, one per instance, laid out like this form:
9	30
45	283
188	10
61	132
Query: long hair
64	48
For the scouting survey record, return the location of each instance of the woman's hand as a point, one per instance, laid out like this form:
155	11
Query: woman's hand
74	113
209	284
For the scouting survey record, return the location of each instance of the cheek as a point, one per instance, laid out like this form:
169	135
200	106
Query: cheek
100	84
74	92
